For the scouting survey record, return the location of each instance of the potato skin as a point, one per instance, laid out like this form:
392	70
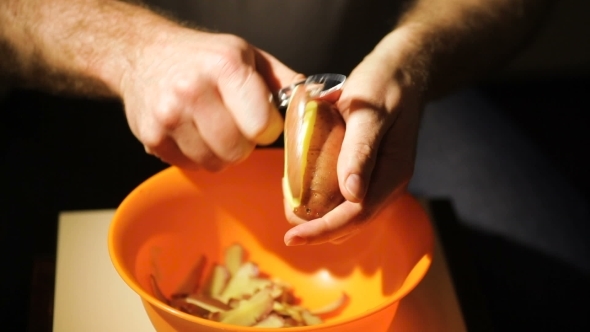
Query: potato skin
318	185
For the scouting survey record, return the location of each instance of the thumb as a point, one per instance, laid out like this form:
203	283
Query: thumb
276	74
359	149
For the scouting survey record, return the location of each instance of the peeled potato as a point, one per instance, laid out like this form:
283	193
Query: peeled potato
314	130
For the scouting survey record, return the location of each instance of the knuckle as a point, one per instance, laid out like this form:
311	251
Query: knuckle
325	226
151	139
293	220
232	56
167	116
213	162
235	42
238	154
257	127
207	159
215	166
364	151
187	88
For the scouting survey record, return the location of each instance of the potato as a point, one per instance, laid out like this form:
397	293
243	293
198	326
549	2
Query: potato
218	279
234	257
314	131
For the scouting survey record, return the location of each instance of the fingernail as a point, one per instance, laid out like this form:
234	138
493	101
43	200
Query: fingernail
296	241
355	187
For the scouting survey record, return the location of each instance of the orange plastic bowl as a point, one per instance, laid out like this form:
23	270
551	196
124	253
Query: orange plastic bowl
174	217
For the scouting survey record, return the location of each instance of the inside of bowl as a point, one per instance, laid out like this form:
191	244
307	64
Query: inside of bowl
184	215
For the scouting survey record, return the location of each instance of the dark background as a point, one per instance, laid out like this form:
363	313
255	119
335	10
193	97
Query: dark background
70	154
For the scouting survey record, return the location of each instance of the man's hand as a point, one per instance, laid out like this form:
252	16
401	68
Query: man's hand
192	98
438	45
381	106
198	99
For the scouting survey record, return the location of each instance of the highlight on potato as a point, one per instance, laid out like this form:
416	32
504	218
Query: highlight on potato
313	135
238	293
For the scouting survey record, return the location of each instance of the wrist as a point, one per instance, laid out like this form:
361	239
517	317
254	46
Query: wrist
88	52
136	56
126	54
405	55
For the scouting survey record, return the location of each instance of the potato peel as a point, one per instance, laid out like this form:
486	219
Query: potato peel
245	297
218	279
271	321
207	303
249	312
192	281
331	308
190	308
241	283
156	290
234	258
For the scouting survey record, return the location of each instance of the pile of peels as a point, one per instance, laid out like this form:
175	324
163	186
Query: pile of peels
237	293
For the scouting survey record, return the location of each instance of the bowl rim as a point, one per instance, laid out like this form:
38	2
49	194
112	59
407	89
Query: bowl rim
146	296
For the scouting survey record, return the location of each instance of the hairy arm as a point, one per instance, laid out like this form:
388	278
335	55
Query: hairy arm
452	42
74	46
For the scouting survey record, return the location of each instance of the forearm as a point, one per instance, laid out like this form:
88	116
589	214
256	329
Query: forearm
73	46
443	44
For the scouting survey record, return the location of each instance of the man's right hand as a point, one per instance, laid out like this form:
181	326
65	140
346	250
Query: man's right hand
203	100
194	99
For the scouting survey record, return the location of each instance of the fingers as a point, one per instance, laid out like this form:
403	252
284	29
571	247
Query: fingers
194	132
359	150
185	148
216	131
246	97
197	148
168	152
208	109
336	224
247	93
275	73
